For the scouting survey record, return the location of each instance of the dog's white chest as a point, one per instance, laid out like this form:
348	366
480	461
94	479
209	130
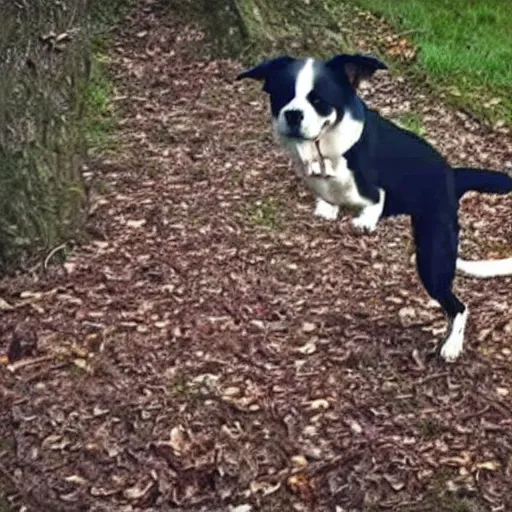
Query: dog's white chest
339	189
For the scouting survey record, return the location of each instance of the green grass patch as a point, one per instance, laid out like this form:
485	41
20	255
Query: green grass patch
412	122
464	46
264	213
100	116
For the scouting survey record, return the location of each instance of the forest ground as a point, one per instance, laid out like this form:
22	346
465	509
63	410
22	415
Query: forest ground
214	347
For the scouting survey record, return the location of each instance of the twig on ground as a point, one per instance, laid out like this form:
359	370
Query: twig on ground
52	253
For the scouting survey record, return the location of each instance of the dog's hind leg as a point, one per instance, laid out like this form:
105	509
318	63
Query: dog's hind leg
436	254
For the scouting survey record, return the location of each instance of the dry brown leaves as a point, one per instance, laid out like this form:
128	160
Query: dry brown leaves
400	48
196	356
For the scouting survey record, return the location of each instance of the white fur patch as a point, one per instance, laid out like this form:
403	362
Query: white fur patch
339	139
328	169
340	189
305	79
367	220
319	168
313	168
454	344
485	268
312	123
325	210
334	142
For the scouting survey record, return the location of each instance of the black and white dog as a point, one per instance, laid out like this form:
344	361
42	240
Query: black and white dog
348	155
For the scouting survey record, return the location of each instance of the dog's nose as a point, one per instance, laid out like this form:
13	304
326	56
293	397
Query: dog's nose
294	117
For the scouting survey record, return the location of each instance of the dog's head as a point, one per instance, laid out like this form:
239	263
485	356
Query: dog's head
308	96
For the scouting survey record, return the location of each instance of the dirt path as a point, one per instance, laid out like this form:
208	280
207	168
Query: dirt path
216	346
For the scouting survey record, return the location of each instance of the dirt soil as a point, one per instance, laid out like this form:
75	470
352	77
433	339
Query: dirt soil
217	348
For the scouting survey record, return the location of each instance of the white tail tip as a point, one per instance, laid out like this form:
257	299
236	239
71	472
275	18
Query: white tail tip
485	268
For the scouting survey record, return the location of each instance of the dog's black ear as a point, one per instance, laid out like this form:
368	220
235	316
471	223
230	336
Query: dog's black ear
263	70
356	67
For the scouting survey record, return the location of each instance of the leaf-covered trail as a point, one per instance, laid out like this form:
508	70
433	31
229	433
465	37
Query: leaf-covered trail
216	346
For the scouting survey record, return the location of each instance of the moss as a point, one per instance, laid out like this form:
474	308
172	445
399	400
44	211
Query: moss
264	213
99	115
54	105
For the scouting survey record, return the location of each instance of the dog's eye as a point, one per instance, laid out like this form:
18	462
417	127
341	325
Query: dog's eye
315	100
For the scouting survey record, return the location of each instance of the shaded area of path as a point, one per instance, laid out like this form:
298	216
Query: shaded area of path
214	345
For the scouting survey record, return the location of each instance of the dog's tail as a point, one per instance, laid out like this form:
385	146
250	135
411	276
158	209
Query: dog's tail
490	182
485	268
481	180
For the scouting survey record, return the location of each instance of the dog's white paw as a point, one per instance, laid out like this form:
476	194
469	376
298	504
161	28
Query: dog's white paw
451	350
452	347
325	210
366	222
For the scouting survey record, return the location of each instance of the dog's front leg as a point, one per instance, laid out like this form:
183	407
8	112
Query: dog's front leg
325	210
366	221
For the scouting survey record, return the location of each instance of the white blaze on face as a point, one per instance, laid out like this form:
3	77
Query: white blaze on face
312	122
305	80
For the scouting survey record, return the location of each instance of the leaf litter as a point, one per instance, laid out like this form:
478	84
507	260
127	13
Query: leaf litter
192	357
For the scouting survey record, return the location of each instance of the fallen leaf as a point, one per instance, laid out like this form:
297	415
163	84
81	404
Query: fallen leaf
395	483
302	485
4	305
320	403
102	492
231	391
308	348
299	461
178	441
70	497
132	223
489	465
265	488
355	427
137	491
463	460
76	479
241	508
502	391
27	294
308	327
98	411
69	267
81	363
